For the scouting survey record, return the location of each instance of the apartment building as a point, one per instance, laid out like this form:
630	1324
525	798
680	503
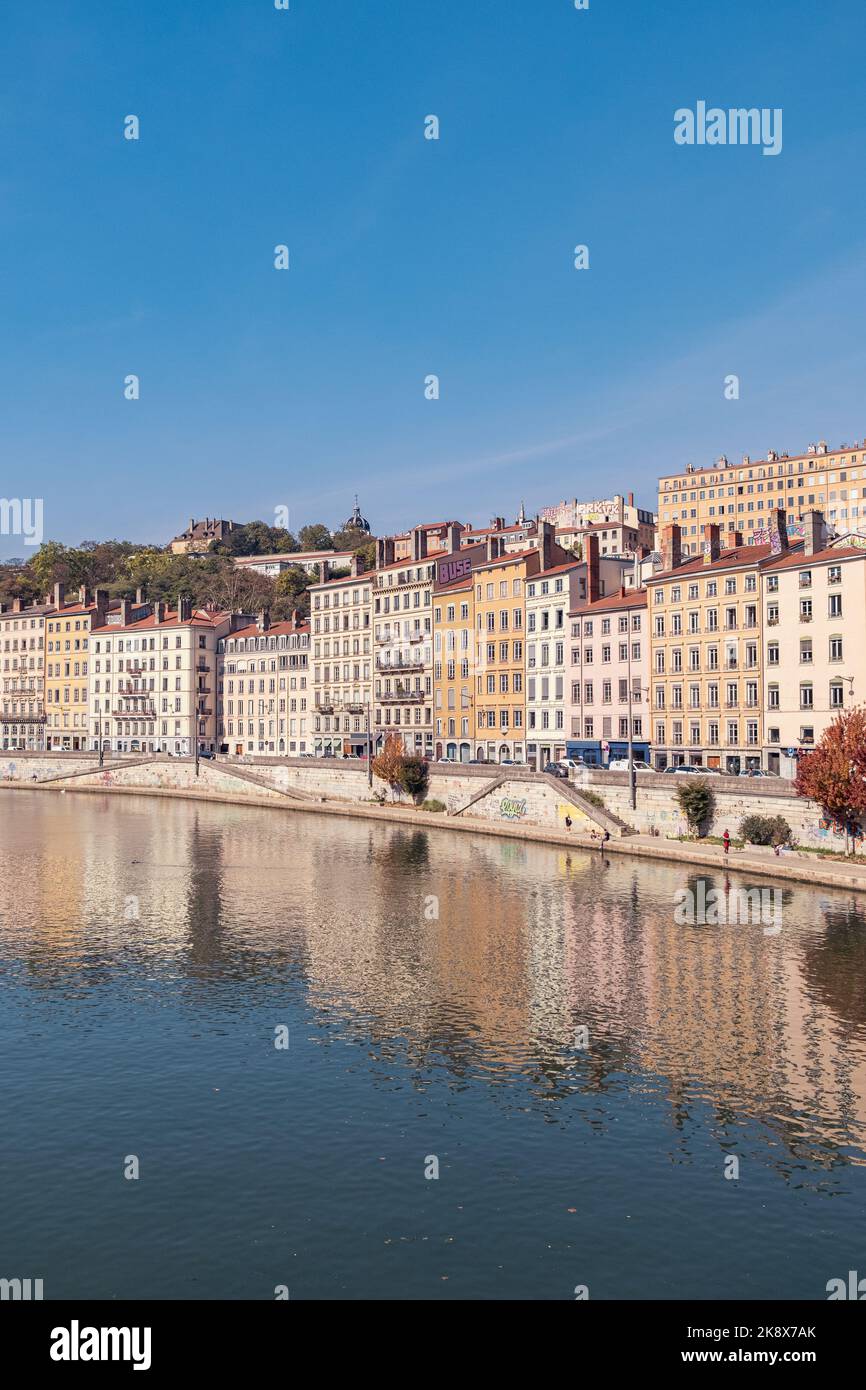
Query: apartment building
500	637
153	677
609	678
454	663
67	637
550	595
309	560
706	668
814	600
617	515
403	640
262	687
341	660
743	497
22	634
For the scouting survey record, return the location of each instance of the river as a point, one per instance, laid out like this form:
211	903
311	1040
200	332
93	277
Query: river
288	1024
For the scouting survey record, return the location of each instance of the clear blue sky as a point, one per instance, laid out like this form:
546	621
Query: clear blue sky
262	388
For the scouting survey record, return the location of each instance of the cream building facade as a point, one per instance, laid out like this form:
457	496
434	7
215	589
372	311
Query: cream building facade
262	687
341	661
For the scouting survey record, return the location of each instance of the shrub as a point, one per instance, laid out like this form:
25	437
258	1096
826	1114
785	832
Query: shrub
696	803
433	805
765	830
413	777
593	798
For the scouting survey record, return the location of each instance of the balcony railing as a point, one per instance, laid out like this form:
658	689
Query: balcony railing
400	664
805	617
7	718
402	697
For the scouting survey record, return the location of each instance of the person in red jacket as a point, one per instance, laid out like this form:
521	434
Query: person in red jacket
726	841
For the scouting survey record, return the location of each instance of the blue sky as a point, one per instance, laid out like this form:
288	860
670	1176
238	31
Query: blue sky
262	388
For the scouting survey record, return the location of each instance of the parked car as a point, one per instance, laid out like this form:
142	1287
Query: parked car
571	764
621	765
306	755
478	762
755	772
557	770
206	753
446	760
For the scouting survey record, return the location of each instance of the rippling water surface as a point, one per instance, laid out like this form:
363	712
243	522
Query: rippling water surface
433	986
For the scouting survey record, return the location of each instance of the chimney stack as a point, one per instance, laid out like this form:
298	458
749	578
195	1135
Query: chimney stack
16	605
497	523
672	547
778	530
296	619
184	608
324	568
419	543
125	612
712	545
815	532
546	543
357	565
59	594
263	621
384	551
453	534
491	545
593	578
100	598
737	539
631	499
159	611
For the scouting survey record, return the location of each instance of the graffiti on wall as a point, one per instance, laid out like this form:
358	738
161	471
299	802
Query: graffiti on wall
512	809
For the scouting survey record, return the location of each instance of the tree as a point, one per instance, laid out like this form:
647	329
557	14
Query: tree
696	803
834	774
315	537
255	538
413	778
291	590
389	764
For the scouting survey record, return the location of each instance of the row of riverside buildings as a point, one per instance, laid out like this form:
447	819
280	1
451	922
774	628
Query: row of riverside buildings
571	634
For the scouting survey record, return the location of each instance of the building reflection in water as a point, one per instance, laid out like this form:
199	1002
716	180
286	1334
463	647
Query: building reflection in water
480	957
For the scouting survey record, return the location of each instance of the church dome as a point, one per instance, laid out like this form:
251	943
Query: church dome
356	521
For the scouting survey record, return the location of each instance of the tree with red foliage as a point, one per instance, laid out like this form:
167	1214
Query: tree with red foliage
834	775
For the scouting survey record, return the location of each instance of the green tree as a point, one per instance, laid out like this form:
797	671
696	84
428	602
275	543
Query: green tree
315	537
697	803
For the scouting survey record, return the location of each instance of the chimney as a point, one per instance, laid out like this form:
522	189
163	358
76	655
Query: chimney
184	608
125	612
324	568
453	534
593	578
497	523
263	621
491	545
100	598
778	527
631	499
384	551
546	543
16	605
736	539
159	611
296	619
815	530
357	565
59	593
192	523
672	548
139	595
419	543
712	546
